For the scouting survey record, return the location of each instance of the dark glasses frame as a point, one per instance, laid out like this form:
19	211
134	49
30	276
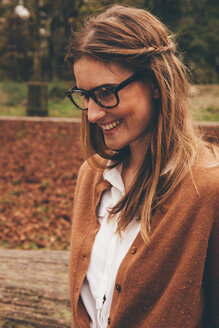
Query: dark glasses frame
91	93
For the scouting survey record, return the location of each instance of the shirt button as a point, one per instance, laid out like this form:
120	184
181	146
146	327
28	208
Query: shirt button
133	250
118	287
109	321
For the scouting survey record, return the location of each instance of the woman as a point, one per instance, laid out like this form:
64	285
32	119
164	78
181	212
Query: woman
144	242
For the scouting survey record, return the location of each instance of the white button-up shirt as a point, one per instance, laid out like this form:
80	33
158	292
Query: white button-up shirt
108	251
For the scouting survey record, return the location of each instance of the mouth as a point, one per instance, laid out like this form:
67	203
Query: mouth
111	126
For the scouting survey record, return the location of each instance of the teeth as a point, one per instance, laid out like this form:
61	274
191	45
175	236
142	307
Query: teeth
110	126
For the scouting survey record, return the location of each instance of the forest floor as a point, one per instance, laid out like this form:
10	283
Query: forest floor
39	162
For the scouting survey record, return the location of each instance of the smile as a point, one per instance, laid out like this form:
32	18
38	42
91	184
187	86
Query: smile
110	126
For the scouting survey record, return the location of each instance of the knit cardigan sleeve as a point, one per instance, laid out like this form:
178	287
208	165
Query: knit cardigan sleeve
211	274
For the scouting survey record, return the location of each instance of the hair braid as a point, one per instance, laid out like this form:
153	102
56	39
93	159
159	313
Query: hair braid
159	50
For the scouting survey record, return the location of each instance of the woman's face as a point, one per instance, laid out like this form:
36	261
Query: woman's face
131	122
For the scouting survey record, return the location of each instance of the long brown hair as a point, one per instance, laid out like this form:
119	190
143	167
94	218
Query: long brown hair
136	39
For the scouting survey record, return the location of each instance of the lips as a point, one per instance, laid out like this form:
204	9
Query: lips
111	125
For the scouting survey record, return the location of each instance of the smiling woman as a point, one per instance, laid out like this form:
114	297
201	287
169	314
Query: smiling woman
131	121
144	244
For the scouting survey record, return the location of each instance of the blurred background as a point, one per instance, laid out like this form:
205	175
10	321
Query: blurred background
34	35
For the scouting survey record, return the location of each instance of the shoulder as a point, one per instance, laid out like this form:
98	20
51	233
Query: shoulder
201	185
206	172
89	172
198	192
199	189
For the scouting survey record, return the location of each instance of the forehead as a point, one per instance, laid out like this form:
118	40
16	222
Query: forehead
90	73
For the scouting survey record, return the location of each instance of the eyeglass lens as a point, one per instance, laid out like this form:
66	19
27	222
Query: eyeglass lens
79	99
105	96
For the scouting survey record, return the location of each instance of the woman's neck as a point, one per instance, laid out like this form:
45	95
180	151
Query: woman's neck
132	164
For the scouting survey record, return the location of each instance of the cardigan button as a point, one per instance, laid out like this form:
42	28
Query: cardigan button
118	288
133	250
109	321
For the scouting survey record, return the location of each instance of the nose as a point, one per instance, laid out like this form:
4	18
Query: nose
94	112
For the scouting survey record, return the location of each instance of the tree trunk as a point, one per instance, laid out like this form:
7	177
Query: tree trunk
37	99
34	289
36	55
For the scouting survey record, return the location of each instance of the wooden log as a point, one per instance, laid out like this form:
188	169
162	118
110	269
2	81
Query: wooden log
34	290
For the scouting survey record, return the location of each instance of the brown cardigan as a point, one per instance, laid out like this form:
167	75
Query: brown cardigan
172	282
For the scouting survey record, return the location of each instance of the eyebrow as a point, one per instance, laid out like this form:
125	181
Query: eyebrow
106	85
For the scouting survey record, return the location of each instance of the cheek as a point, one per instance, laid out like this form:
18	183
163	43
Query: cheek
143	109
144	99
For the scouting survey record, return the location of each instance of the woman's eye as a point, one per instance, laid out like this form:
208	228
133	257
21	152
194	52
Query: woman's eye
105	93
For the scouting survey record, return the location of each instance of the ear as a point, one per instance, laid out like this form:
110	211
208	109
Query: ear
156	93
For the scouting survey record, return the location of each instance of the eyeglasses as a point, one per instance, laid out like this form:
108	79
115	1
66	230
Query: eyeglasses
105	95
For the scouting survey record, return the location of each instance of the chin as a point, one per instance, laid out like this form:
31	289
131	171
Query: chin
116	147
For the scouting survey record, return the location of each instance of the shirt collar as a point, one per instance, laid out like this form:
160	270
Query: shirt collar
113	176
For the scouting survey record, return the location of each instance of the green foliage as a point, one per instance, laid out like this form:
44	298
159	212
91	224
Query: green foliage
204	102
211	112
13	100
15	92
57	90
16	44
63	108
195	23
92	7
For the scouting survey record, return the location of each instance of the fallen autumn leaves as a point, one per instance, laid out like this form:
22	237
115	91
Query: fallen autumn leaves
39	162
38	170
